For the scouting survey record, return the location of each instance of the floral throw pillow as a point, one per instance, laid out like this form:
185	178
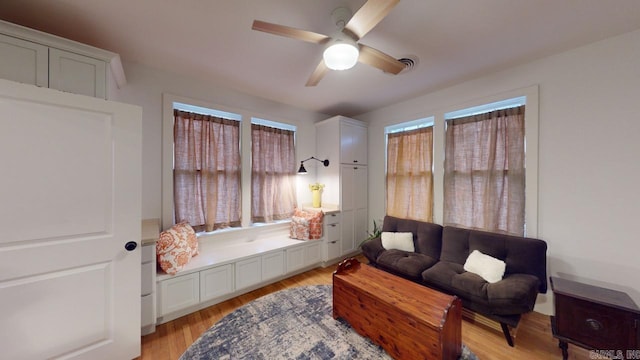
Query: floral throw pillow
306	225
175	247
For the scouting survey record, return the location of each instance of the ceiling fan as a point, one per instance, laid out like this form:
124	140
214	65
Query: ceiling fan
342	49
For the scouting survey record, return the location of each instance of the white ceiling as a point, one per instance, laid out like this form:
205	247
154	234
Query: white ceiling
454	40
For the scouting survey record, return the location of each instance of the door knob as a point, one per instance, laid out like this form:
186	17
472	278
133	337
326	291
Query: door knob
131	245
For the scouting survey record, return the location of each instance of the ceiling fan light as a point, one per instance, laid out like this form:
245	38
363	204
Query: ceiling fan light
340	56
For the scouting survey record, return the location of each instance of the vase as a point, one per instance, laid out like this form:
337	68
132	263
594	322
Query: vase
316	201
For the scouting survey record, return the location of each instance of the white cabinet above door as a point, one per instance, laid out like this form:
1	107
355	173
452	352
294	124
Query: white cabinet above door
24	61
77	74
32	57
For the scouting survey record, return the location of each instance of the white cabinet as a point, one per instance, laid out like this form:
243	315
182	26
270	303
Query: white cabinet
216	282
24	61
353	205
272	265
33	57
332	237
150	234
312	253
77	74
248	272
295	259
179	292
353	143
304	256
346	183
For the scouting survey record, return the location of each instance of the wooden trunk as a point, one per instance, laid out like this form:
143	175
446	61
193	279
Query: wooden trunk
408	320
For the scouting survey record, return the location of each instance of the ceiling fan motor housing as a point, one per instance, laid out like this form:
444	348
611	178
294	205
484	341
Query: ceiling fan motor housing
340	17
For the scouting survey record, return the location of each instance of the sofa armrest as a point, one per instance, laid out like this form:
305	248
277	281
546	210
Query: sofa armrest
372	249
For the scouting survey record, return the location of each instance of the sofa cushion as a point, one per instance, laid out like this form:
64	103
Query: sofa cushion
409	264
397	240
455	244
515	293
427	236
441	274
522	255
372	250
488	267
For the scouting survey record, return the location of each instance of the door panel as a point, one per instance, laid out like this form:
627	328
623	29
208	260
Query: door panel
71	200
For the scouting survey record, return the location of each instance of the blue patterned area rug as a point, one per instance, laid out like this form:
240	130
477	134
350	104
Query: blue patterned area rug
296	323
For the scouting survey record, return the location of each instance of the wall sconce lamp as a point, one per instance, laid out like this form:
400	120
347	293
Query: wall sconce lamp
302	170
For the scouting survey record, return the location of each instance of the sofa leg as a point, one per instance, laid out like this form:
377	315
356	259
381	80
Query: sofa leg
507	334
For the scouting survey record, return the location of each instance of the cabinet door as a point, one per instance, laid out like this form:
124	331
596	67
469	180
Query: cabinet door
359	141
295	259
334	250
272	265
77	74
359	188
347	189
353	144
248	272
346	226
359	227
312	253
147	316
216	282
179	293
23	61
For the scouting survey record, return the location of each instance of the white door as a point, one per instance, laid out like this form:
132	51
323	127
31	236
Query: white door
69	201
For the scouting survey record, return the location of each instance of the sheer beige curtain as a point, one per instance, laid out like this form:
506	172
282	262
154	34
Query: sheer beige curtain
409	175
206	175
484	179
273	171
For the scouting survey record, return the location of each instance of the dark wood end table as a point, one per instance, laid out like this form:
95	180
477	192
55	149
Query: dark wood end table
595	318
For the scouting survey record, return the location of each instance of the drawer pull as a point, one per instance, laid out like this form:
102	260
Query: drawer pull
332	225
594	324
333	242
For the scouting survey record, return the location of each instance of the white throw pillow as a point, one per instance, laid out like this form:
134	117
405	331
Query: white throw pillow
489	268
397	240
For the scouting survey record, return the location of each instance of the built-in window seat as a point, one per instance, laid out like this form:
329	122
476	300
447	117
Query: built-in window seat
232	263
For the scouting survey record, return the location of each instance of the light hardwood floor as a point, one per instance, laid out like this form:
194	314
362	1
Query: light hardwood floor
533	340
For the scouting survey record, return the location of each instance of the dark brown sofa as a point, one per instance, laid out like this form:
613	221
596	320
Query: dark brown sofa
439	257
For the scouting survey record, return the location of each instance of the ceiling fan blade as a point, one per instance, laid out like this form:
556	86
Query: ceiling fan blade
317	74
368	16
380	60
290	32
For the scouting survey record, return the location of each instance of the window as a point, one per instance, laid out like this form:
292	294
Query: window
273	171
206	169
270	211
409	178
484	174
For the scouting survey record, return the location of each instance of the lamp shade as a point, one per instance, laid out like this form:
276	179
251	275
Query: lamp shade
340	55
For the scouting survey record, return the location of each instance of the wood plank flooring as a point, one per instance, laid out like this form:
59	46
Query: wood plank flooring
533	341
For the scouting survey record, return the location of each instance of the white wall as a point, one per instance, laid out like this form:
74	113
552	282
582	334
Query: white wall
589	143
145	87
